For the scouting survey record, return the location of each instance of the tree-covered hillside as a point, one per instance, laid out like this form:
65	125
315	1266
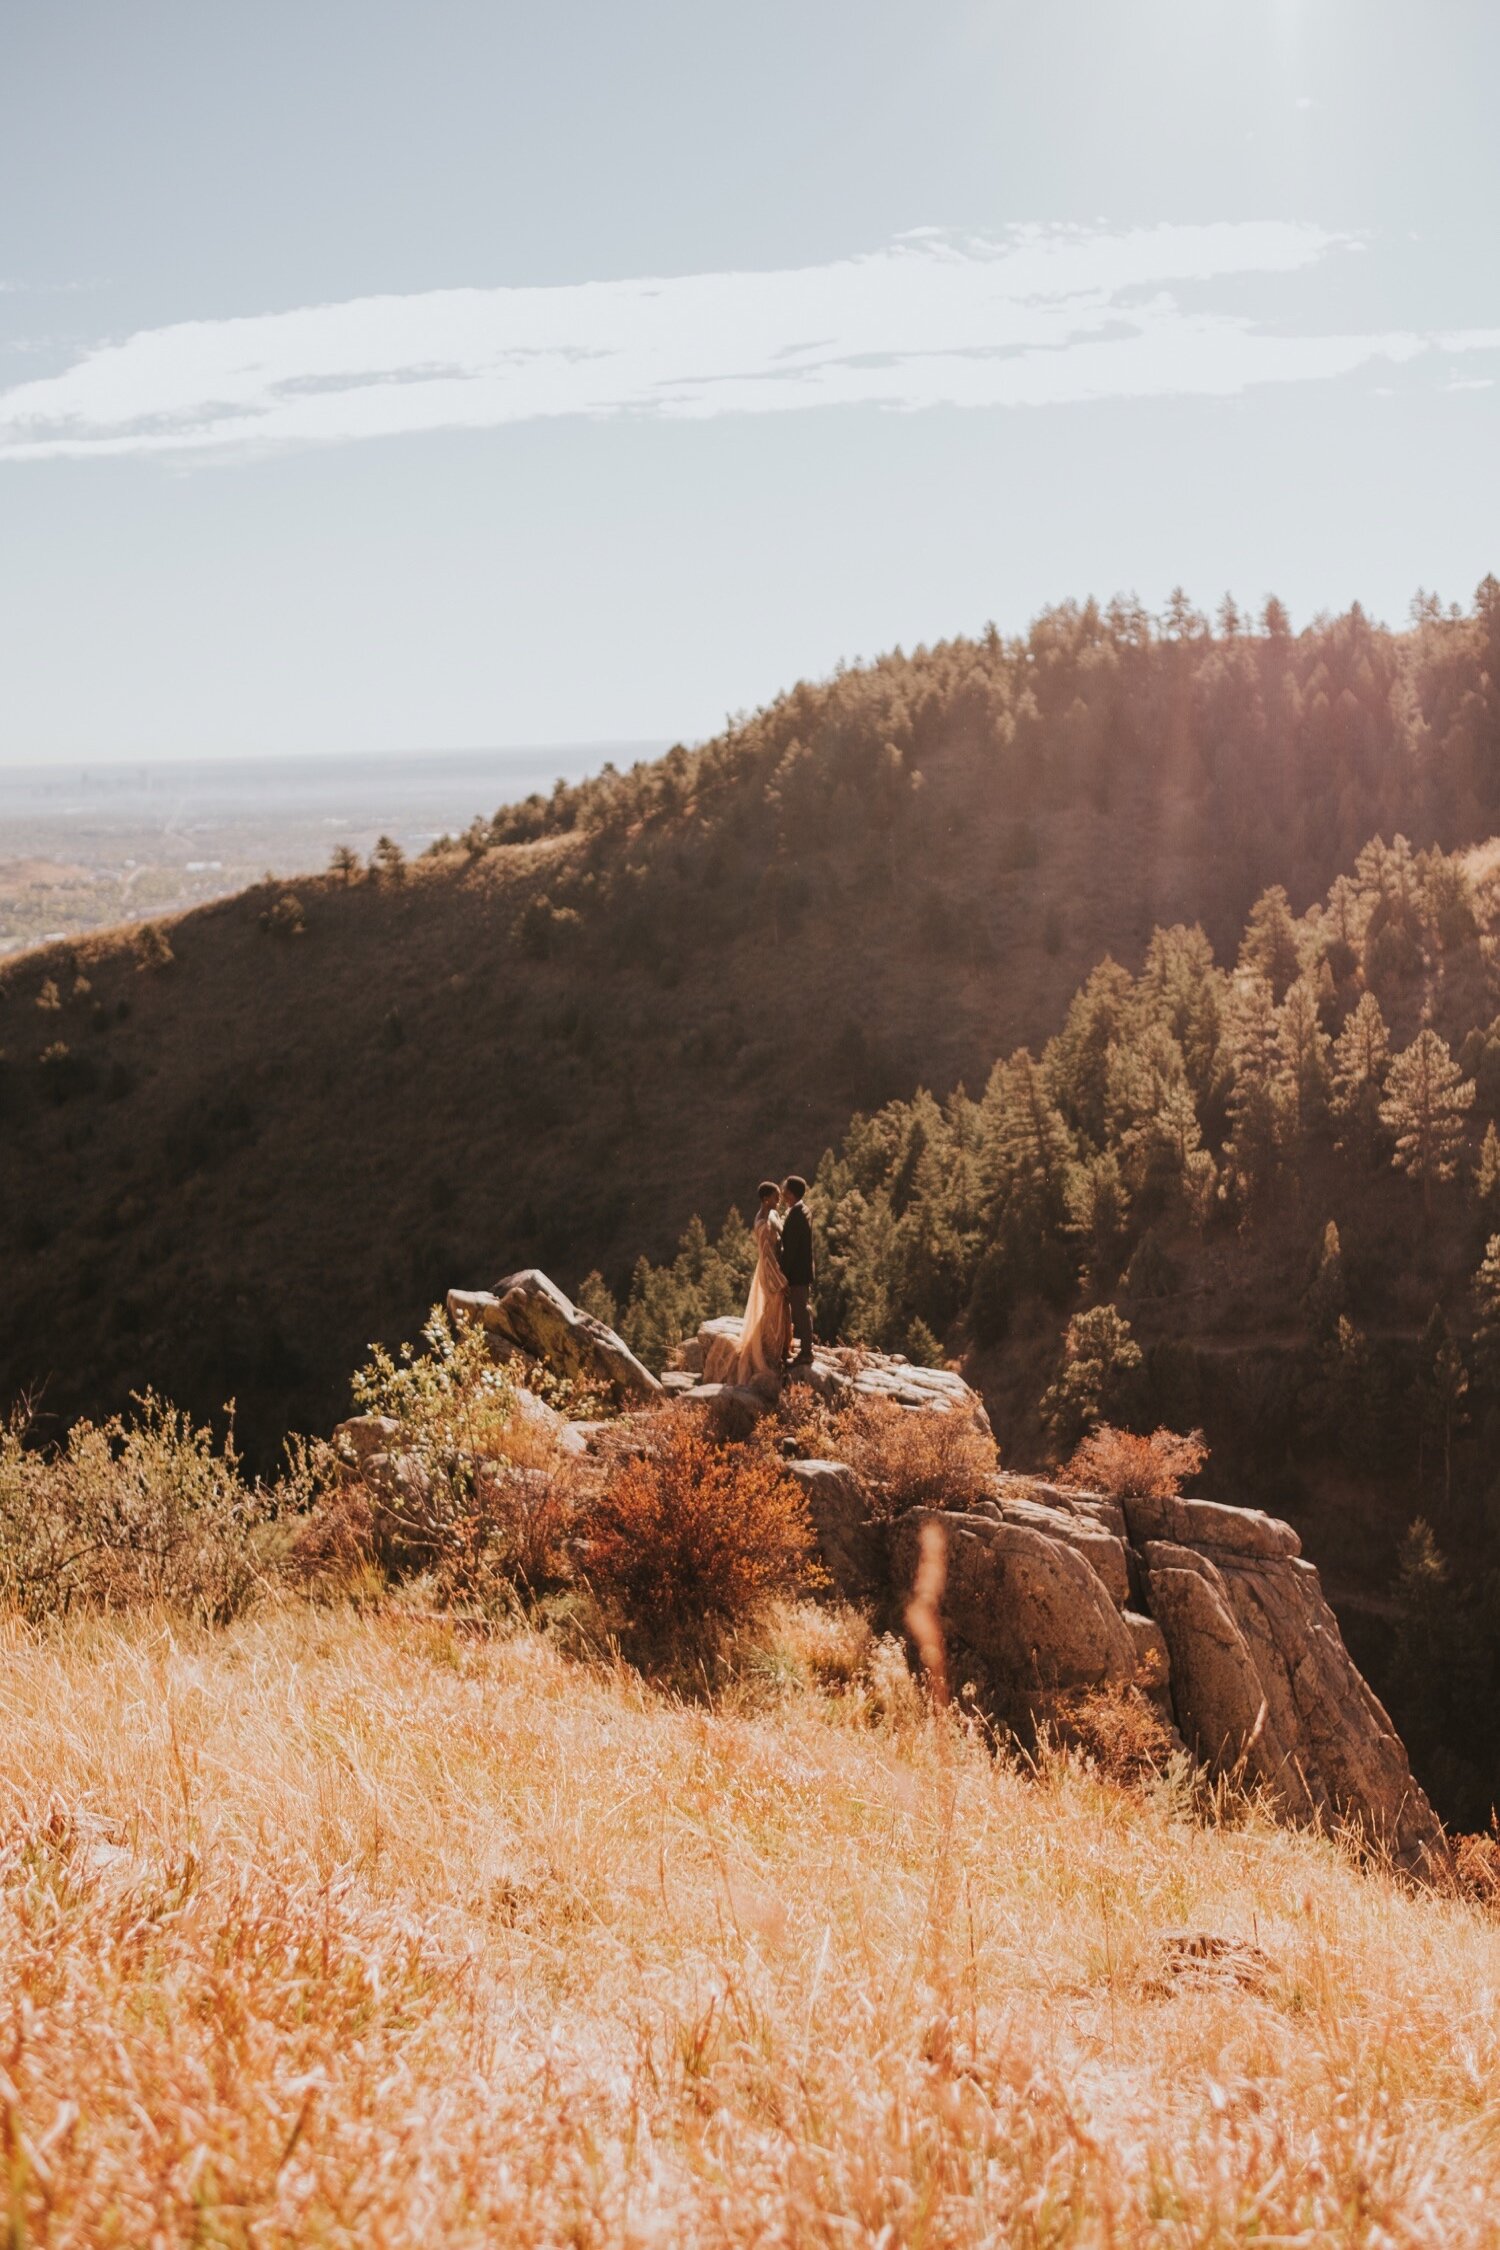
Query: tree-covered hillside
239	1146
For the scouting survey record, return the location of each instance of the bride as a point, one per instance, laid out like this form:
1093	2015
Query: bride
766	1330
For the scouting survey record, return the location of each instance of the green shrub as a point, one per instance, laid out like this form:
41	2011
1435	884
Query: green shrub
131	1511
473	1484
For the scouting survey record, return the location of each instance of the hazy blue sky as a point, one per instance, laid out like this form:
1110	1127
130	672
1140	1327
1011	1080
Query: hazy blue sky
376	375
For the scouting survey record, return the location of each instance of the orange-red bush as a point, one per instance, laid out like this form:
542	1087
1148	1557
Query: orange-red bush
693	1535
1127	1467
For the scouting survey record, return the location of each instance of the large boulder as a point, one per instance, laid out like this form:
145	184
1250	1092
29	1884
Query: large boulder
1028	1605
528	1313
1261	1680
1210	1524
1099	1545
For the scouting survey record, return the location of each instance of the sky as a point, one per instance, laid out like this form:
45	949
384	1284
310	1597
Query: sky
385	377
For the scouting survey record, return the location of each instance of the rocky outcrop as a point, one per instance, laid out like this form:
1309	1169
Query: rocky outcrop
838	1372
1026	1602
1222	1624
1209	1611
853	1544
528	1313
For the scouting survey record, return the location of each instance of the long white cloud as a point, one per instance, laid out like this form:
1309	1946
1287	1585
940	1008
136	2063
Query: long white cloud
1038	318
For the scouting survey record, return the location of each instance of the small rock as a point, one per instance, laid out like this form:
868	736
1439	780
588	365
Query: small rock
1200	1957
363	1434
735	1408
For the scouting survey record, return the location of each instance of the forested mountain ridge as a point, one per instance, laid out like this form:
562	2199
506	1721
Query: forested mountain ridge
239	1146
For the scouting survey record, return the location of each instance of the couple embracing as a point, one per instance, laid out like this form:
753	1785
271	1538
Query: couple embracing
779	1308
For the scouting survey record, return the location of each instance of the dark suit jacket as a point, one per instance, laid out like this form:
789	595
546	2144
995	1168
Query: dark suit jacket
796	1247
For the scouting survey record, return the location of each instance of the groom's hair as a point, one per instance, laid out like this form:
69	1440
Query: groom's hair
768	1189
796	1186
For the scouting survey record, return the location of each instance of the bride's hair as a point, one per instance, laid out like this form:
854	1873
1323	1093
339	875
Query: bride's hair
769	1192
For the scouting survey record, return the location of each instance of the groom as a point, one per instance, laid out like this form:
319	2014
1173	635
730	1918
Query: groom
795	1251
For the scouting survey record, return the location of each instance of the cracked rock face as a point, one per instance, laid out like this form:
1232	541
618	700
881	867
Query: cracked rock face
1208	1610
528	1313
1260	1674
1030	1605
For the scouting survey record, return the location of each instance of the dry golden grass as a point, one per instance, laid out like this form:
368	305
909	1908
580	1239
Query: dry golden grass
345	1929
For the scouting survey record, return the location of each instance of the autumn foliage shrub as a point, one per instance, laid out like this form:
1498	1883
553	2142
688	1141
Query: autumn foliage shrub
906	1459
1126	1467
689	1537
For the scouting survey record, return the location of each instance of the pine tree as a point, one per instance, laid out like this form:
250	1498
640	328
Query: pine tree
153	948
1153	1123
922	1347
1359	1392
1253	1108
1485	1290
1487	1177
344	863
1303	1077
1025	1154
1325	1300
1442	1387
1438	1670
595	1297
1099	1355
1344	926
1184	991
1269	948
1076	1062
1098	1215
1361	1054
1426	1103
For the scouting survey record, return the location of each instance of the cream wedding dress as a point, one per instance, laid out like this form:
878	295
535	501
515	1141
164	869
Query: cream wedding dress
766	1330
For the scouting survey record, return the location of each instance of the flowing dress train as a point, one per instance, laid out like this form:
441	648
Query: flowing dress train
766	1330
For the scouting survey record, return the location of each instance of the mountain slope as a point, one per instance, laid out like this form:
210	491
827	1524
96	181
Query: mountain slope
226	1171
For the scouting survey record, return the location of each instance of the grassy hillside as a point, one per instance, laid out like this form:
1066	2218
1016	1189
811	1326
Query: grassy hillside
237	1151
357	1929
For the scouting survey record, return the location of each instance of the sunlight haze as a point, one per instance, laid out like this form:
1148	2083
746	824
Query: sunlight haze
384	379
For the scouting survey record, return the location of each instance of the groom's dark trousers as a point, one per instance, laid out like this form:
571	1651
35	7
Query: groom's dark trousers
797	1264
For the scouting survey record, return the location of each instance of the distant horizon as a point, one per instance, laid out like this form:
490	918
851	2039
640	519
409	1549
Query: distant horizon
123	761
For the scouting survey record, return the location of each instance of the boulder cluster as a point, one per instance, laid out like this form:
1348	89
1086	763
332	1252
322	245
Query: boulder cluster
1210	1612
